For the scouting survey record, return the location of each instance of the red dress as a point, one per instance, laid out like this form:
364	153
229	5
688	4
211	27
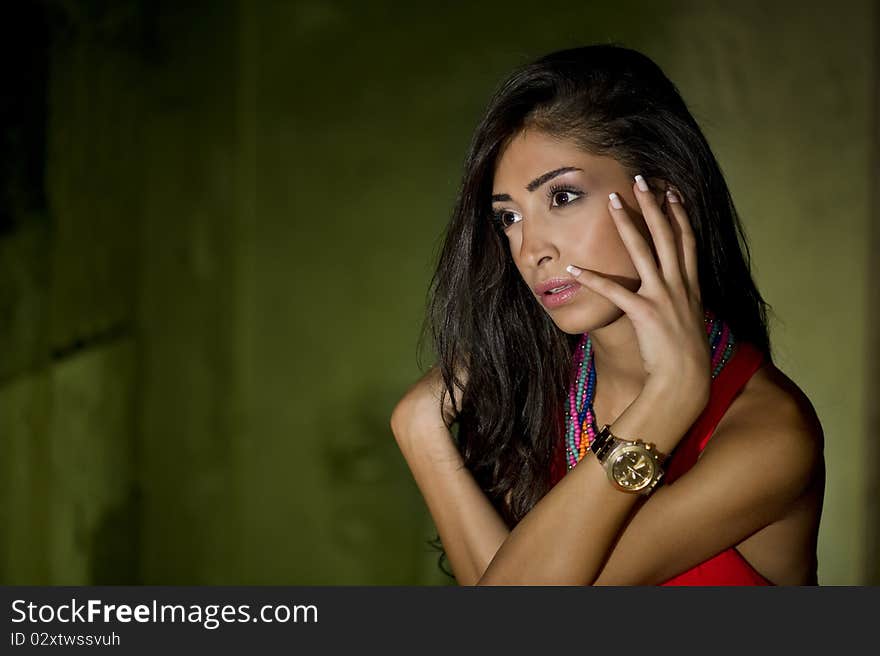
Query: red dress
728	567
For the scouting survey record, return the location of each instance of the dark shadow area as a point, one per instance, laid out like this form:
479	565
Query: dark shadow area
24	43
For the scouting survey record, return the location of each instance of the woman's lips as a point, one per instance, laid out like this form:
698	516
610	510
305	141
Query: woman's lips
552	300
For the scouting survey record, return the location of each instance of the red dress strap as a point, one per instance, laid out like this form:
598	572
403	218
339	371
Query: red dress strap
728	567
744	362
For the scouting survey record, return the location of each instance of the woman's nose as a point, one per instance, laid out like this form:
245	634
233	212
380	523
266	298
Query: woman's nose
537	241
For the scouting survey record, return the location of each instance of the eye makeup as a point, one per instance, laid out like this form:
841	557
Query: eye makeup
498	215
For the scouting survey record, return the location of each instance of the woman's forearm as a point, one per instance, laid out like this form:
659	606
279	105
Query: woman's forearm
469	526
567	536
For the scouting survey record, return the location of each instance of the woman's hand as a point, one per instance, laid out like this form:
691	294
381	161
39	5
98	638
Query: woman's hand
666	311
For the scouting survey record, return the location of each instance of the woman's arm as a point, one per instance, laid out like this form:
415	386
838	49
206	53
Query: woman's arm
759	464
568	535
586	532
470	528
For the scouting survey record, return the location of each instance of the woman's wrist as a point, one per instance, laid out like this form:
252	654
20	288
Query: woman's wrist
687	392
661	414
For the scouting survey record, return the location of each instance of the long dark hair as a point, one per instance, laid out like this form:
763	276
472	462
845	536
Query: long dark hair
610	101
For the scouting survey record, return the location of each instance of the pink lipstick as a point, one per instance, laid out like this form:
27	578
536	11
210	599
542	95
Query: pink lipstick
557	291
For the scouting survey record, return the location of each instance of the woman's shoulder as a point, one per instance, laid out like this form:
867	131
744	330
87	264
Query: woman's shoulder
774	415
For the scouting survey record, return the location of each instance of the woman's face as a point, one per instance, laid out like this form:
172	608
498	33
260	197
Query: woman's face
552	201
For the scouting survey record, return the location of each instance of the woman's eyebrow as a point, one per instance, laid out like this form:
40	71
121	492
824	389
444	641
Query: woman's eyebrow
537	182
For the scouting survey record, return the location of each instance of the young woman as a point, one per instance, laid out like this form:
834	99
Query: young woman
603	353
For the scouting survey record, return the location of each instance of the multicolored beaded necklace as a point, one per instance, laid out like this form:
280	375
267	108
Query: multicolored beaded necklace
580	420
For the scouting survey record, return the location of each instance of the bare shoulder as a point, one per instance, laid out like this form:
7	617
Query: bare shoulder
771	443
774	416
772	398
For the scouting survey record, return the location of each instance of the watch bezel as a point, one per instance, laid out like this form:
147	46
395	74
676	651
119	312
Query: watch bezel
607	447
641	448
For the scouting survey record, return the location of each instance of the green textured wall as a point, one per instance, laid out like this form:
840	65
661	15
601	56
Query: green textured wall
787	105
211	320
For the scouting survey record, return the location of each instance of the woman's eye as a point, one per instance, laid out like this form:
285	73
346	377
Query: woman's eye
559	197
563	197
506	218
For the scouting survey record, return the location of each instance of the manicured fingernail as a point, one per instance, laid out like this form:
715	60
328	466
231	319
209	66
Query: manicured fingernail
640	181
672	196
573	270
615	201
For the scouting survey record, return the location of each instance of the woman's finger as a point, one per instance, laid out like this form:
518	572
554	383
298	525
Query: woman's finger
687	242
661	232
679	244
623	298
636	245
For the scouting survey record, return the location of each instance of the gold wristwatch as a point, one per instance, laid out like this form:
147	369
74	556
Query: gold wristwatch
632	465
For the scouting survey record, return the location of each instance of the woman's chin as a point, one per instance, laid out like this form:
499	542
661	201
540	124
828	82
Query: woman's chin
579	322
573	325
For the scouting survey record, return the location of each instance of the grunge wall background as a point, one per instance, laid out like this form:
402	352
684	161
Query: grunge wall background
218	222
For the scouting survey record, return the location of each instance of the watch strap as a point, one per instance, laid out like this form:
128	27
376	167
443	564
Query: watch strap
604	442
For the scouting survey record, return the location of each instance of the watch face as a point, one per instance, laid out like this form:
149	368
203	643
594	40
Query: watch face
632	468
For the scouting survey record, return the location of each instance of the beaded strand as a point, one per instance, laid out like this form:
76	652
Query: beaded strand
580	421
